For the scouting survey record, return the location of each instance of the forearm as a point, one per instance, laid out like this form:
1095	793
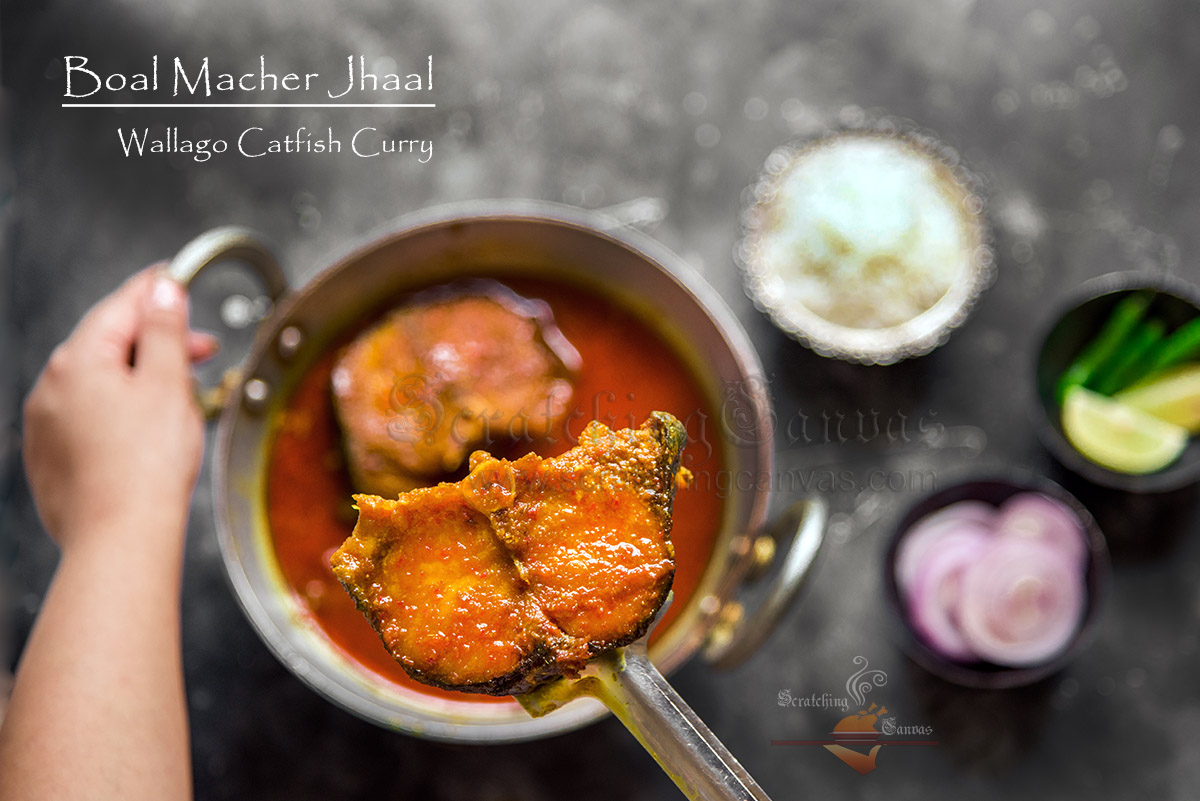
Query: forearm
98	710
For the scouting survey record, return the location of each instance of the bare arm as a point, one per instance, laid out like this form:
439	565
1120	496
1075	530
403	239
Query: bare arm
112	449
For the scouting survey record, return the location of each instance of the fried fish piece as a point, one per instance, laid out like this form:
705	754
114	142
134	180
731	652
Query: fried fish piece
525	569
453	370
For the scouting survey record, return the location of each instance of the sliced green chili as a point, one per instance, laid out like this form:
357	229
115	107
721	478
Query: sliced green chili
1125	316
1180	346
1115	374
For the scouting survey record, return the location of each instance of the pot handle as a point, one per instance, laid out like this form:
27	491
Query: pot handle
231	242
736	635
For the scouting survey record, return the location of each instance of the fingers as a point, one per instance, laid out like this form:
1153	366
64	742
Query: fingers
109	328
162	341
202	346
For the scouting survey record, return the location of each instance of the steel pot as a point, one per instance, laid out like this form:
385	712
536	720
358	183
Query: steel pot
474	239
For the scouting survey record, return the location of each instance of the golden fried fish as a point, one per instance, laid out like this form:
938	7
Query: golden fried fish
525	569
456	369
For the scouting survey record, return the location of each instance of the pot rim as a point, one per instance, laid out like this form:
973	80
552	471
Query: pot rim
687	635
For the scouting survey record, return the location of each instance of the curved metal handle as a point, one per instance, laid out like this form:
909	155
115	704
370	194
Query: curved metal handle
231	242
735	635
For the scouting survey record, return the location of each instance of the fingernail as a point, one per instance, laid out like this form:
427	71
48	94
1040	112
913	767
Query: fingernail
212	342
167	294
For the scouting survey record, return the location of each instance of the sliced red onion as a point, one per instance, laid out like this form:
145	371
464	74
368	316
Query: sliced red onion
973	511
1021	602
931	529
1037	517
934	597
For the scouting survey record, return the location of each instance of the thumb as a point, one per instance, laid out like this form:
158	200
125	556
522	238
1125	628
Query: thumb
162	353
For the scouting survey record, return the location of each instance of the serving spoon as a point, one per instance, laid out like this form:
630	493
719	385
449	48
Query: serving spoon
626	682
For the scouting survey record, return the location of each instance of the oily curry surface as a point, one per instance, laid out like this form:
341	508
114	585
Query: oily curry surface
627	371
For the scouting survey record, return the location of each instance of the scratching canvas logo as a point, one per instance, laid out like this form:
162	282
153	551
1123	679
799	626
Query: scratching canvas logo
858	737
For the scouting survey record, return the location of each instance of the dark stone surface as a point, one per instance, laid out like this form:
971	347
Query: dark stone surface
1081	116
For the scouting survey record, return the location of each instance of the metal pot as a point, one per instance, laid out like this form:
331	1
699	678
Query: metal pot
474	239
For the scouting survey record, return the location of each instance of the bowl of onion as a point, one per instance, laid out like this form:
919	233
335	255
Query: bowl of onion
996	582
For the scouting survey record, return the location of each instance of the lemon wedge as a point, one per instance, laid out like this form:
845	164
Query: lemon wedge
1173	396
1120	437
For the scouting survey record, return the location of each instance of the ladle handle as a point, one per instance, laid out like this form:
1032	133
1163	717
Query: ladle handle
666	726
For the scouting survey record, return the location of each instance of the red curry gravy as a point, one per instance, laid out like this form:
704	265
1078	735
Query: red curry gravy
628	371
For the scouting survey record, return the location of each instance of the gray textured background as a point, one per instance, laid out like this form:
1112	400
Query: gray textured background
1081	115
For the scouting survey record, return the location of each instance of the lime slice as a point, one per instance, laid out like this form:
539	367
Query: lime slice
1118	436
1173	395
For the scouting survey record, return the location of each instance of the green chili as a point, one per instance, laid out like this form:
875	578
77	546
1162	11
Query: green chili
1125	316
1182	345
1115	374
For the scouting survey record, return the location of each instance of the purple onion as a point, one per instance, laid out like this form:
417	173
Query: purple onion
925	534
1037	517
934	597
1000	585
1021	602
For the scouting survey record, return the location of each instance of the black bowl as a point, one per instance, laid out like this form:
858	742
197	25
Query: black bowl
1077	320
995	490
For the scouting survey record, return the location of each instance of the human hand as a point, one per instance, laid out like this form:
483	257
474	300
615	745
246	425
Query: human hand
113	435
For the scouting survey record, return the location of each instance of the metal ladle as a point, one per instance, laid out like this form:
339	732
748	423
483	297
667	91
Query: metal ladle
626	682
